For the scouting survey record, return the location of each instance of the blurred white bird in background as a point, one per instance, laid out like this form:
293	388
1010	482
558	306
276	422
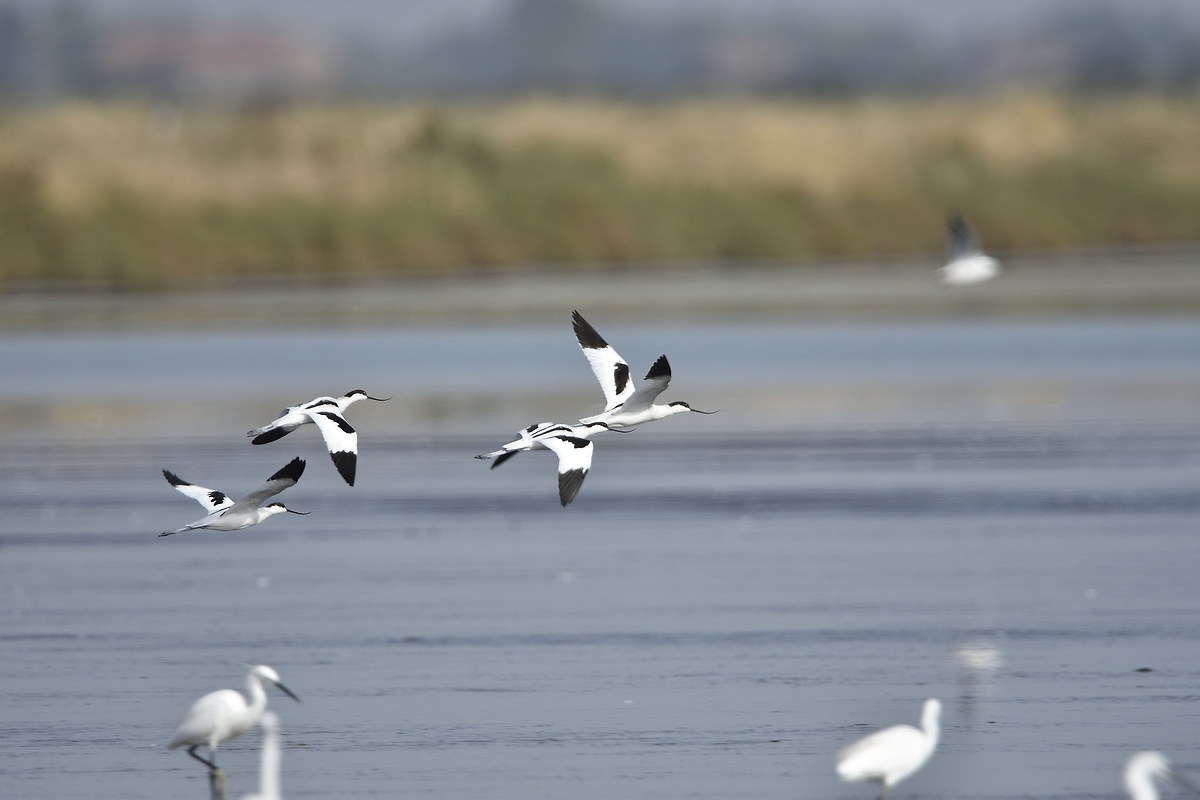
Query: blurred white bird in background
224	714
891	755
1143	768
966	263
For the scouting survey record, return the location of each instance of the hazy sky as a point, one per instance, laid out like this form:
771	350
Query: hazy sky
422	17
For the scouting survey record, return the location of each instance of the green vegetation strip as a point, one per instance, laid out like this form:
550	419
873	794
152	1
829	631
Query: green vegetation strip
130	196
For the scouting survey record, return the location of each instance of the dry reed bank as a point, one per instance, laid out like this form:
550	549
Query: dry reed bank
144	196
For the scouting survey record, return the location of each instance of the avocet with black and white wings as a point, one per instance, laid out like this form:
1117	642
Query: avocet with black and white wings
625	405
571	443
966	263
226	514
329	415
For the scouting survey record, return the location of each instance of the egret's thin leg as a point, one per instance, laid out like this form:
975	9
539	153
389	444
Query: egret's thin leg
212	765
883	790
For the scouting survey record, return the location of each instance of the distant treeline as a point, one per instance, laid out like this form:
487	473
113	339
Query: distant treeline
133	196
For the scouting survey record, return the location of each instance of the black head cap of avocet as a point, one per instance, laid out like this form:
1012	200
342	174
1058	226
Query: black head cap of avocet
279	508
354	395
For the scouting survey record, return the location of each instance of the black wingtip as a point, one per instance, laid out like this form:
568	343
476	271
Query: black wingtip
586	335
568	485
346	463
270	436
173	479
659	369
960	234
292	471
500	459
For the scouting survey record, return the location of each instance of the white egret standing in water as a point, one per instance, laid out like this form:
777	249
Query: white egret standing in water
222	715
892	754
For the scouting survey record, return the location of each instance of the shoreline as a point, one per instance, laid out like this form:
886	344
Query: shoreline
1165	281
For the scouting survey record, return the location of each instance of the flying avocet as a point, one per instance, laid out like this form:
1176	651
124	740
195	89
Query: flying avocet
223	715
966	263
329	414
227	515
892	754
527	438
571	443
1143	768
624	404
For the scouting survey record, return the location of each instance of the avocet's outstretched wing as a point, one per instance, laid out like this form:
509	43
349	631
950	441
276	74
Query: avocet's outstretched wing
211	499
574	461
543	429
961	239
289	419
500	459
527	439
654	384
270	434
283	479
340	438
609	368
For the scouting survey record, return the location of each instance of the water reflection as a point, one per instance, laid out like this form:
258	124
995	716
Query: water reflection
977	662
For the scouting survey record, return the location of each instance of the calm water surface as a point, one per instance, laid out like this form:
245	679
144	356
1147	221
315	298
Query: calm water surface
729	601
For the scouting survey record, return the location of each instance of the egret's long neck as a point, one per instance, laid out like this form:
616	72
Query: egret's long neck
1140	784
931	724
258	697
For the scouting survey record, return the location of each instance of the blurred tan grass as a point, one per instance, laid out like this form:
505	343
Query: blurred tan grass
131	194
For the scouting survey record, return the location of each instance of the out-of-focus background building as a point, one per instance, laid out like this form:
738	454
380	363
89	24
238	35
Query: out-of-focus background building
300	49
